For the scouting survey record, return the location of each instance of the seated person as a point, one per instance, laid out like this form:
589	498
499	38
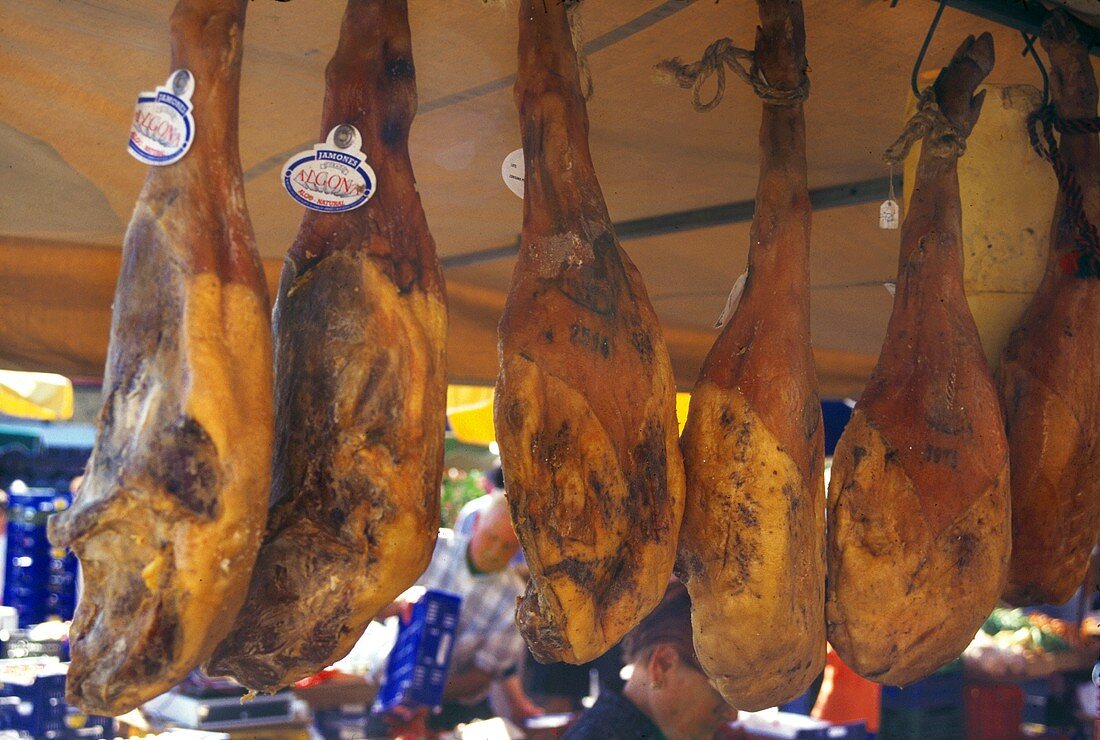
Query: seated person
488	646
667	694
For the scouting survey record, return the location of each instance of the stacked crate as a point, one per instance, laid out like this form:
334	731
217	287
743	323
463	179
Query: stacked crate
39	579
931	709
32	704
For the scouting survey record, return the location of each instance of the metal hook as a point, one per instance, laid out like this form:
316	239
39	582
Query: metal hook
180	80
344	136
924	48
1029	49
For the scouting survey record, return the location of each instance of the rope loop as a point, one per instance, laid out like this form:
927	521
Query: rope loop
722	55
942	139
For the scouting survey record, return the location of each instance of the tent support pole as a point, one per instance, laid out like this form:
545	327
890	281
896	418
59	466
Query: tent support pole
833	196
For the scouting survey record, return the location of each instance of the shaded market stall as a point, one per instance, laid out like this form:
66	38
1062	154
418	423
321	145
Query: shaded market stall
679	184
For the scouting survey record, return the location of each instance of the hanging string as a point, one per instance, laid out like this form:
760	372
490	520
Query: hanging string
1083	260
889	213
942	139
718	57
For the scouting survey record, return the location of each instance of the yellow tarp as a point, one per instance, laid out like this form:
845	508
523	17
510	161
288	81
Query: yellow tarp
470	412
42	396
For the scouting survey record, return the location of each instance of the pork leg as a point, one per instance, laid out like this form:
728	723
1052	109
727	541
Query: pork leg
918	509
585	403
752	543
171	510
1049	378
360	387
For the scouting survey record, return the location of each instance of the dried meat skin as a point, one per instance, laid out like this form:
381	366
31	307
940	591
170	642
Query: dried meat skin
918	509
585	402
1049	377
170	512
360	388
752	542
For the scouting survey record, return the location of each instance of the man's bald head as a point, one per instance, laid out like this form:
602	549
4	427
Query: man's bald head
493	541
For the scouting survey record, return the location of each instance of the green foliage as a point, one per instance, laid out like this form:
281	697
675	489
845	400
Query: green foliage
459	487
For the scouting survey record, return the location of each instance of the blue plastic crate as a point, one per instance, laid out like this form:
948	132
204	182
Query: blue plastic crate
941	690
944	723
32	701
39	579
41	701
417	667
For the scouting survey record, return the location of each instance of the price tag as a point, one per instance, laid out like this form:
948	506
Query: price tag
163	128
888	215
514	172
333	177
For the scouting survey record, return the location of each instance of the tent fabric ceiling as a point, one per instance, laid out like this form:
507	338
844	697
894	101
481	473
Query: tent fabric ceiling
72	71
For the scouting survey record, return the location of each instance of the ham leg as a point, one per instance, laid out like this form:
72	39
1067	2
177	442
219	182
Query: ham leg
585	404
360	387
752	543
1049	378
918	510
171	510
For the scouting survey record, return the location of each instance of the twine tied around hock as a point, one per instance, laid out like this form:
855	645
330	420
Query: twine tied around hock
942	139
1083	261
719	56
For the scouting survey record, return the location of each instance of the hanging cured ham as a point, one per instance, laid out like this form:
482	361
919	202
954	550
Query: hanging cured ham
170	513
1049	377
752	543
585	403
919	532
360	387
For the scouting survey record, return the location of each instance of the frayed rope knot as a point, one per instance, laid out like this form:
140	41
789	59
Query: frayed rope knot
942	139
1083	261
718	56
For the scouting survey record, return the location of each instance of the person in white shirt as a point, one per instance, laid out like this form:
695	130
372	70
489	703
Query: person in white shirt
488	646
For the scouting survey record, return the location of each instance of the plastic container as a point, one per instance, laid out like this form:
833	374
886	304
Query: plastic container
32	701
40	580
993	711
942	690
417	666
944	723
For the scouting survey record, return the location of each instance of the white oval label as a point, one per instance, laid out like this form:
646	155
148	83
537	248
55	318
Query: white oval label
513	172
334	176
163	127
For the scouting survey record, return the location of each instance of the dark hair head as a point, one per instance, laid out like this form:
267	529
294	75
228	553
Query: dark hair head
495	476
668	623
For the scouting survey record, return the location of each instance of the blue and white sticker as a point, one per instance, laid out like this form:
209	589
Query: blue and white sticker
163	127
333	177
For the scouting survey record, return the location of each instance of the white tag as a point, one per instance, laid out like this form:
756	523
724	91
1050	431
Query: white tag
513	172
333	177
891	288
733	300
163	127
888	215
